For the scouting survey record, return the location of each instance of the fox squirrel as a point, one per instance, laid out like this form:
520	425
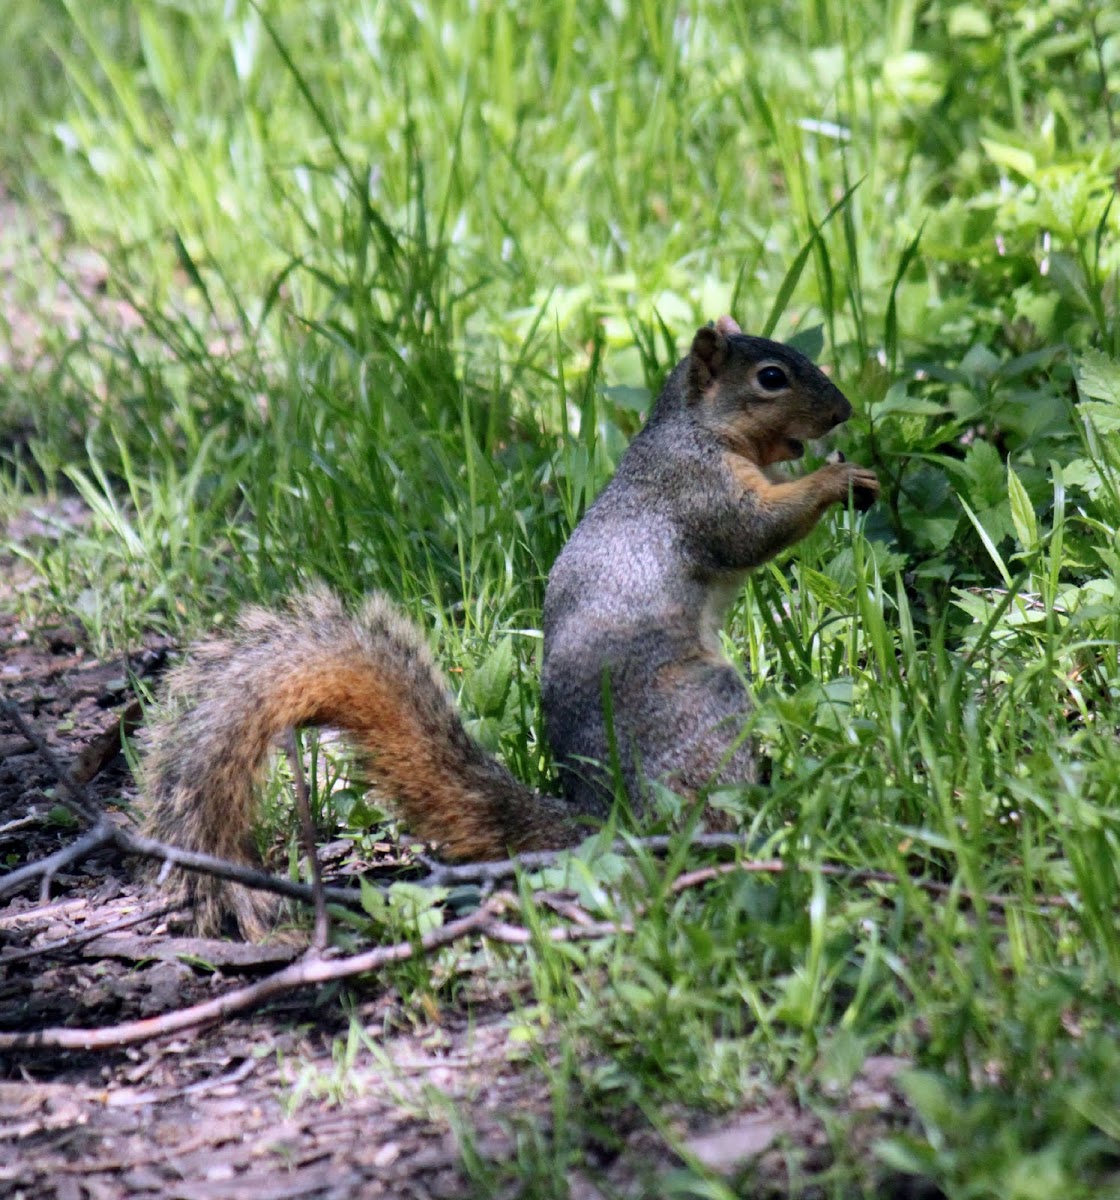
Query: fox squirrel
633	606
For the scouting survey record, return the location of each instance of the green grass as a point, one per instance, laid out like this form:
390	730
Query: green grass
406	277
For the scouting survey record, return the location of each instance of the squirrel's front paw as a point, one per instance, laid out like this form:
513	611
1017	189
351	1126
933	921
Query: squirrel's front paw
864	485
860	482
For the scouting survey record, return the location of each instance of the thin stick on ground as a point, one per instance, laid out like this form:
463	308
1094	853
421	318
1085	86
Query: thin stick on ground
82	936
320	938
44	869
10	827
77	800
300	974
485	921
105	834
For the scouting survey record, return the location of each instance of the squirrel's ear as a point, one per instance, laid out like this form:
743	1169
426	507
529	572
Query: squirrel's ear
705	360
727	324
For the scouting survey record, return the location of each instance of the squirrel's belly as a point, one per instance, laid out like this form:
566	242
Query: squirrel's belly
713	615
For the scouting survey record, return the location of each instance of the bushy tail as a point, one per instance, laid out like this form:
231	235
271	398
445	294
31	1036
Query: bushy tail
313	663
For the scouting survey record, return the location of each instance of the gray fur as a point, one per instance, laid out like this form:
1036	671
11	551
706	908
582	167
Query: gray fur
640	590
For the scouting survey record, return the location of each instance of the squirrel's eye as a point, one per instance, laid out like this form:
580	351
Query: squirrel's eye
773	379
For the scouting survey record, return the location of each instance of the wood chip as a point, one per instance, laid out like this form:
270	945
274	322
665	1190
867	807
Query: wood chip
213	951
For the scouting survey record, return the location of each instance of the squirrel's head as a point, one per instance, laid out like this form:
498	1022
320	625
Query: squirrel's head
760	396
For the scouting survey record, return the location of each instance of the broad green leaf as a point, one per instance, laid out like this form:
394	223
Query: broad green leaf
898	401
809	341
1098	377
1021	162
489	683
985	471
969	21
633	399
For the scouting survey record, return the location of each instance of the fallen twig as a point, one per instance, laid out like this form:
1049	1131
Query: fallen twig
487	921
320	938
44	869
105	833
82	936
217	953
862	875
483	921
77	800
451	874
10	827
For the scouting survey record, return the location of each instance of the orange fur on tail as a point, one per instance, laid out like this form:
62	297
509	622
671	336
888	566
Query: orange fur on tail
369	674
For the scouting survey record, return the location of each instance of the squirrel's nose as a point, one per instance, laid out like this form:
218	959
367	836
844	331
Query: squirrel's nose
842	411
